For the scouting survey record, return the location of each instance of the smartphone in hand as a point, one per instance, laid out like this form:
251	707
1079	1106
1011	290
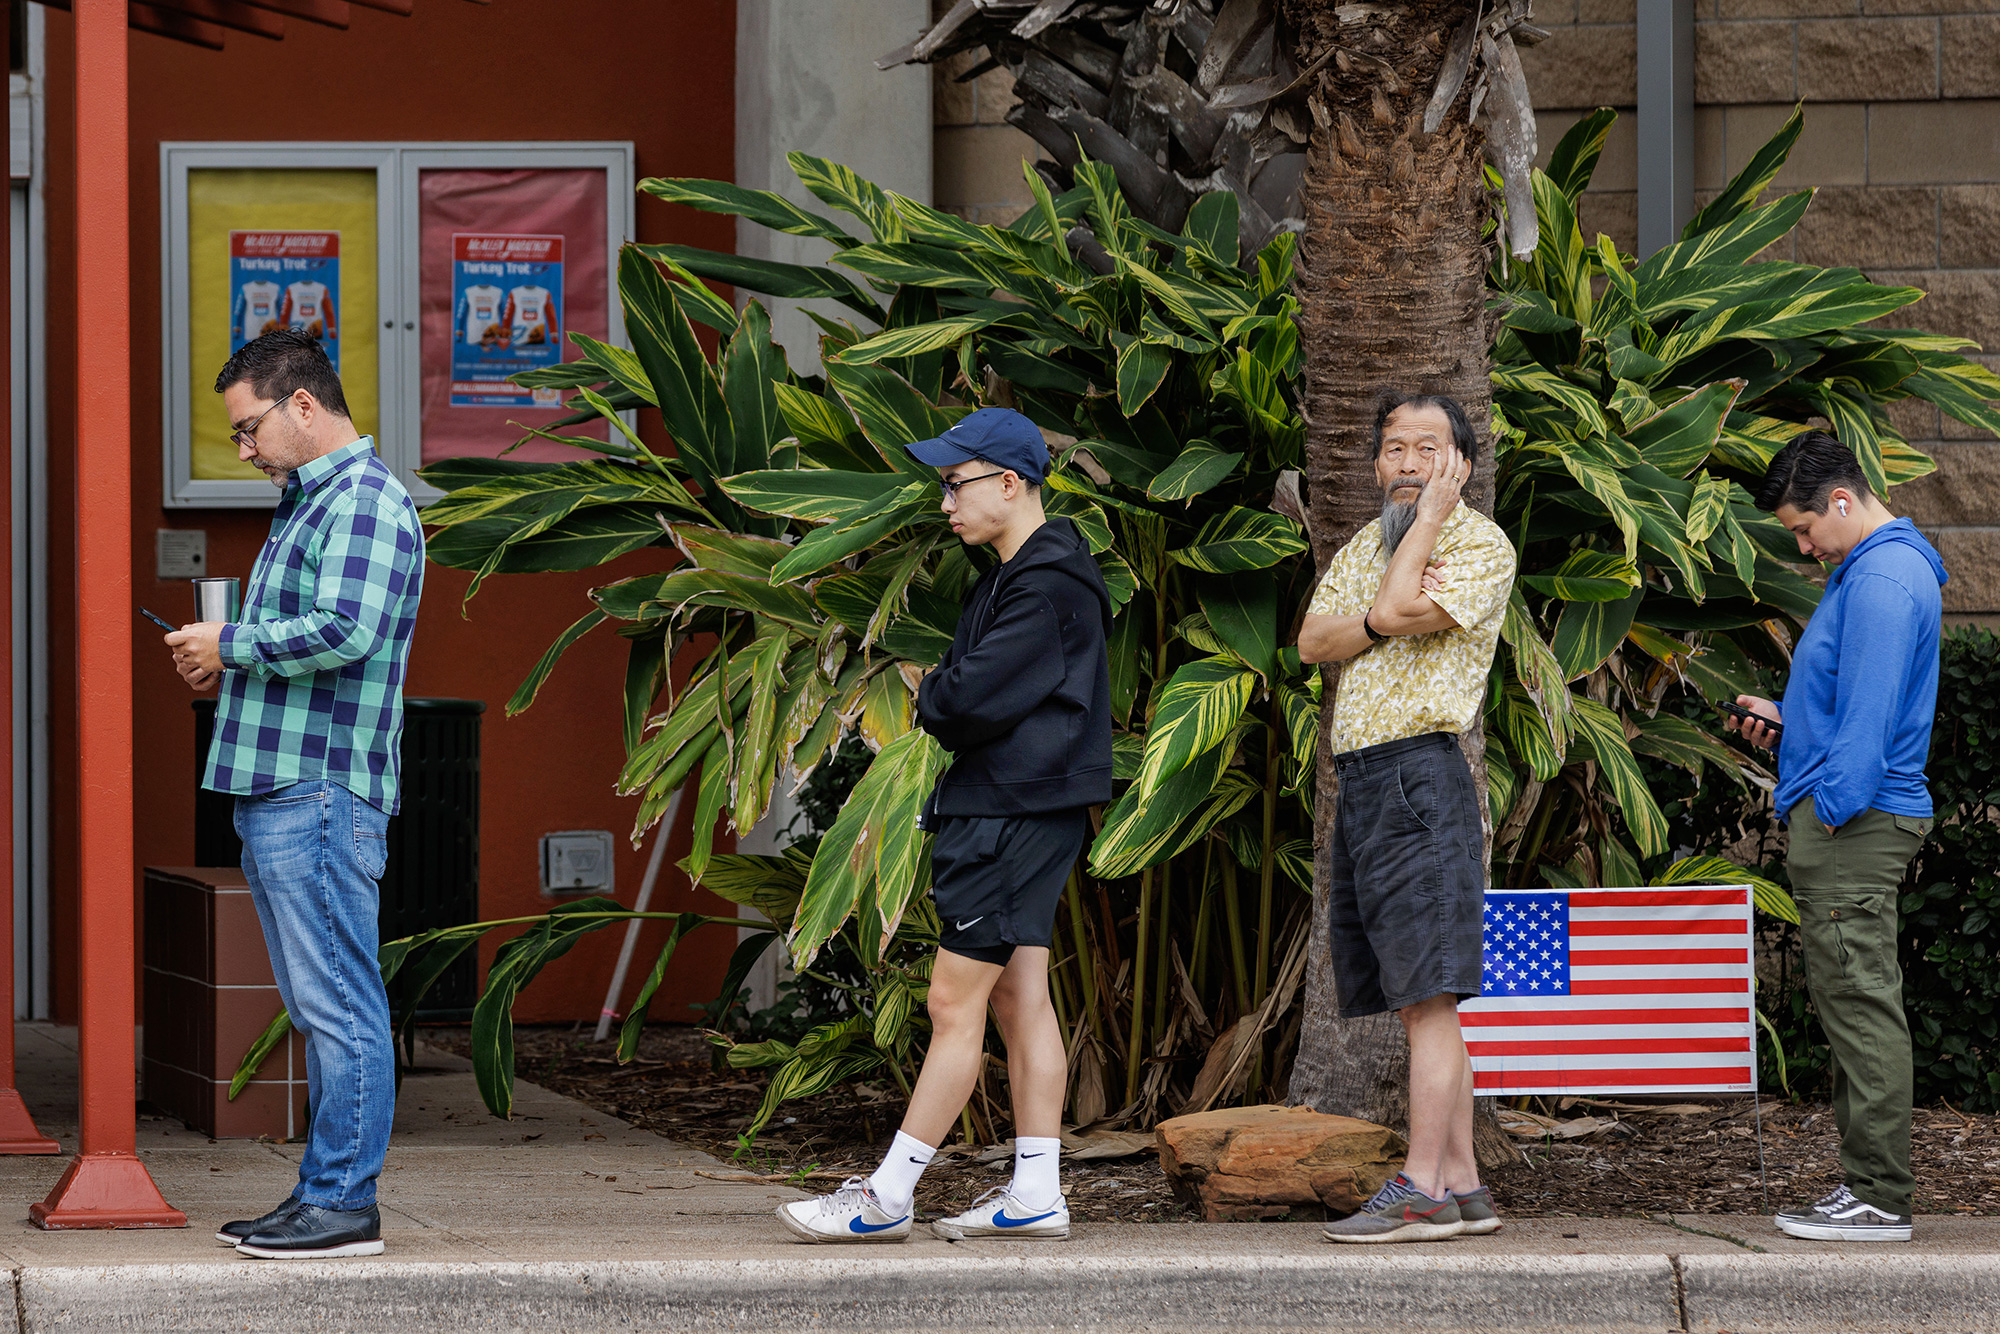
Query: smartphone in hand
1737	711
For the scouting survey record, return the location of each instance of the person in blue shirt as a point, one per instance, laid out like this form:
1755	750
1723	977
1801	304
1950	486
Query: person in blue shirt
1853	732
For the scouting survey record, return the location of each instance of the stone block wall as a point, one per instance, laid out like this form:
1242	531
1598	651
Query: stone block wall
976	155
1902	140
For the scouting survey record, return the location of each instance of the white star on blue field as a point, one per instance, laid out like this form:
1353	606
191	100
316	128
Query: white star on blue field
1527	945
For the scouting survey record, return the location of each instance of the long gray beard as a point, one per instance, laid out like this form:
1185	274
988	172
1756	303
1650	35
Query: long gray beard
1397	516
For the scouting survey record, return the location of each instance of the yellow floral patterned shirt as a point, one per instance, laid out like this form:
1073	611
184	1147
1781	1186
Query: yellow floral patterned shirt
1412	684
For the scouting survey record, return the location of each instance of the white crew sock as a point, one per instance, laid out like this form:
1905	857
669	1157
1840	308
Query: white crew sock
1037	1180
895	1181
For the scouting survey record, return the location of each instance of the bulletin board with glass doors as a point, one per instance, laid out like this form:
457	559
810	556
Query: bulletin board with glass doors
432	274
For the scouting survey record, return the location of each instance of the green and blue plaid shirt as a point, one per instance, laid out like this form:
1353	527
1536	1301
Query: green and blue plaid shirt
315	686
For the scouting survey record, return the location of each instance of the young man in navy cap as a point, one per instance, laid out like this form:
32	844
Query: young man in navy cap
1022	700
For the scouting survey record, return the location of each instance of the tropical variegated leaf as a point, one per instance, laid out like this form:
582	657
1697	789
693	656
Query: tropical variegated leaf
1601	480
920	338
915	502
1606	735
719	549
1200	466
1574	159
874	843
764	207
1199	706
1526	731
1539	672
1587	575
1678	438
1731	243
1670	737
524	695
886	709
1241	539
1141	367
1705	511
1589	632
1757	174
752	593
1242	610
817	495
757	745
1965	390
1855	425
1141	832
1709	870
1577	402
1561	261
846	190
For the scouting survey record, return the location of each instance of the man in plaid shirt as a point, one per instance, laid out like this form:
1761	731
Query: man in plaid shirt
308	736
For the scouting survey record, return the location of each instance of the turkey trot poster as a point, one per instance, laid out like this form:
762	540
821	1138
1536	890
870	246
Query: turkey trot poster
507	317
285	280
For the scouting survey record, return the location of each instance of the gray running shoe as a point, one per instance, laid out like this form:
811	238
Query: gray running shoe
1400	1212
1839	1216
1476	1208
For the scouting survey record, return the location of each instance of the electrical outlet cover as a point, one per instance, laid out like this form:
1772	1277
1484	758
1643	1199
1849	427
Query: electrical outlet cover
577	861
180	553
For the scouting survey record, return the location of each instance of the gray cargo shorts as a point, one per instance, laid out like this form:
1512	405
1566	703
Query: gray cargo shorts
1408	883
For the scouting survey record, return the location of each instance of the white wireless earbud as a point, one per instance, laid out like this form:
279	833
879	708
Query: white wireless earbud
1843	508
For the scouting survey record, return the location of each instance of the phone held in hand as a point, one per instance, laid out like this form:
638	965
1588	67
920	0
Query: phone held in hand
1736	710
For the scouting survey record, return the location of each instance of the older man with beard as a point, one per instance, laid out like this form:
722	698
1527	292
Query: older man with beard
1413	606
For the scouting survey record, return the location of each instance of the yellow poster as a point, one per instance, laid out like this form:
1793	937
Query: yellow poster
292	248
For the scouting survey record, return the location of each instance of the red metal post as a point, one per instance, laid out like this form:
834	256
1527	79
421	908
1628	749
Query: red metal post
17	1128
106	1185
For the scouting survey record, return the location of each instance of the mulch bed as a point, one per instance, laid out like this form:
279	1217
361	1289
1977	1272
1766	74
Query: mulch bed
1634	1158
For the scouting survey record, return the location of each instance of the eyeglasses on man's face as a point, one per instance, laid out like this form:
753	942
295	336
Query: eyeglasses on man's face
949	489
247	437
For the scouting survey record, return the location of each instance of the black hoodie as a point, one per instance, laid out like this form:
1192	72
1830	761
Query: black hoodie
1023	696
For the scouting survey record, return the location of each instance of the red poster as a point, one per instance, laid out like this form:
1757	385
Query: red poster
537	237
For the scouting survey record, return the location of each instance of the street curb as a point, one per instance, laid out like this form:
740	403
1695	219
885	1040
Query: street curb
1604	1294
1738	1294
1406	1290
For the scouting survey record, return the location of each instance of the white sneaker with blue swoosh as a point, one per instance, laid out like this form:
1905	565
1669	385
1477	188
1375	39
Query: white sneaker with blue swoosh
999	1214
850	1214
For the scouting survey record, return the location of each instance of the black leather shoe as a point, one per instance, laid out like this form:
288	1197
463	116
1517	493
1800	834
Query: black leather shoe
312	1233
231	1233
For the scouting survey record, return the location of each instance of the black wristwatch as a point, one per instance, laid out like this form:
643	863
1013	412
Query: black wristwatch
1373	636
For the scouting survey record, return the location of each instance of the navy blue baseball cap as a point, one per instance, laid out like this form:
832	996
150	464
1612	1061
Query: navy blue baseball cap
998	435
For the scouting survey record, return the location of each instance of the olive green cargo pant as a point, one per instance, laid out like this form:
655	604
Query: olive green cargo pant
1845	884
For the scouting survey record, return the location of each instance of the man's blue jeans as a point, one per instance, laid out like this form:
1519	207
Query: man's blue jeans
313	853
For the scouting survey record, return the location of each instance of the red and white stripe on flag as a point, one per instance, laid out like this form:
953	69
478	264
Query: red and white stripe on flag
1596	991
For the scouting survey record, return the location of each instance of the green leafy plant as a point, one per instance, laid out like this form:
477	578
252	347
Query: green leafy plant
812	579
1951	898
1634	401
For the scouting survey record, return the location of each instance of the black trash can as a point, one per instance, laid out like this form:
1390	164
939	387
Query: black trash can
432	878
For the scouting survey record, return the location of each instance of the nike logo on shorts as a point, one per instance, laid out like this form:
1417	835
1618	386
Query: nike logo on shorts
974	922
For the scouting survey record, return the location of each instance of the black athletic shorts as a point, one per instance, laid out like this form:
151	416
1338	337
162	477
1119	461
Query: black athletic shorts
997	879
1408	885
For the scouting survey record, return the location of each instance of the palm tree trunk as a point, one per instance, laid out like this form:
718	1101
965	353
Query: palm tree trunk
1392	285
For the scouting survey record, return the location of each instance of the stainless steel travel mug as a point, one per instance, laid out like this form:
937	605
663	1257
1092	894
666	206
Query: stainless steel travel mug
217	599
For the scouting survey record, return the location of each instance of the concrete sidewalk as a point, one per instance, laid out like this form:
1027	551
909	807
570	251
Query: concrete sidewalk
568	1219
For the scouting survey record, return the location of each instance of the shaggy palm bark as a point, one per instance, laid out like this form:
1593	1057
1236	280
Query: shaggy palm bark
1391	280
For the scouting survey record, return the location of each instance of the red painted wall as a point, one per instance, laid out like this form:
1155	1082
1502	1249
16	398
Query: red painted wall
522	70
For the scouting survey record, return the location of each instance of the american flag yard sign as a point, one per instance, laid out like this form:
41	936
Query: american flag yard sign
1615	991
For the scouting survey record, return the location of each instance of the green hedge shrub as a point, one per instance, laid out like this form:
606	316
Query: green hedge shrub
1951	899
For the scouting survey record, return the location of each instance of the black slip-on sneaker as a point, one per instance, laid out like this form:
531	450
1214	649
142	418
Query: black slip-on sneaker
231	1233
312	1233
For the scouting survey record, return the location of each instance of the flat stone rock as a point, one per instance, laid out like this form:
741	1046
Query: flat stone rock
1242	1163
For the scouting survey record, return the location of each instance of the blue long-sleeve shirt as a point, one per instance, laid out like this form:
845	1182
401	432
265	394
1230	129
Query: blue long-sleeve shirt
1863	689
